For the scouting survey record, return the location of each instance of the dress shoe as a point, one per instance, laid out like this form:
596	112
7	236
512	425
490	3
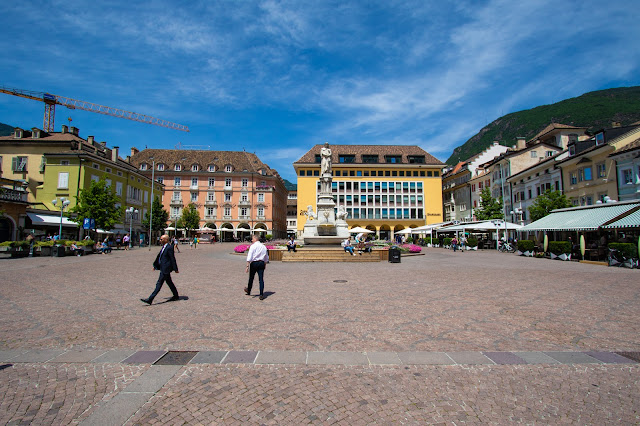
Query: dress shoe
246	291
261	297
147	301
174	298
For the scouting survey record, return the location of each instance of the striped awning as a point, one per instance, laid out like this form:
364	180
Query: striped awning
629	221
588	218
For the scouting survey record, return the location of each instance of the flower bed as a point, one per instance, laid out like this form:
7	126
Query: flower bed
241	248
411	248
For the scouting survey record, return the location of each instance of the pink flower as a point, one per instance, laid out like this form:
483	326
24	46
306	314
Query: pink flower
241	248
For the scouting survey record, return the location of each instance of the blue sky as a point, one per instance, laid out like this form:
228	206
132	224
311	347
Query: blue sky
277	77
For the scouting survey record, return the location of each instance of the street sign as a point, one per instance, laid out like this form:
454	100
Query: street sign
89	223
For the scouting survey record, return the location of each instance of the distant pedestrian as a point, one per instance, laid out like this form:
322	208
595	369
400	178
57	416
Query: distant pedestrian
291	244
174	243
125	241
166	263
195	242
257	259
454	244
141	241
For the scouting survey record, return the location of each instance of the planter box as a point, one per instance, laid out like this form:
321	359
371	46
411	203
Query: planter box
19	252
472	248
46	250
563	256
88	249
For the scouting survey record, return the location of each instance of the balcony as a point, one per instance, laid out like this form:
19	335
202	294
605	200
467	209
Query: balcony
244	203
210	217
227	217
193	187
7	194
244	217
210	203
176	202
261	218
228	188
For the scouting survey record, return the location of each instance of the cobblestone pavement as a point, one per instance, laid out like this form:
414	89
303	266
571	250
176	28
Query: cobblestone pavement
439	302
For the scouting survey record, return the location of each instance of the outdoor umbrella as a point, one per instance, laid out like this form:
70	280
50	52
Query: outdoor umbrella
358	230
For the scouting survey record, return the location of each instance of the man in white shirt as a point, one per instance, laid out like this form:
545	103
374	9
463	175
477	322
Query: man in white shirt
257	259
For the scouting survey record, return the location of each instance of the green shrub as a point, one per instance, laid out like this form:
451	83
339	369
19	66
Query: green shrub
87	243
44	243
627	249
447	241
268	237
6	244
559	247
472	242
526	245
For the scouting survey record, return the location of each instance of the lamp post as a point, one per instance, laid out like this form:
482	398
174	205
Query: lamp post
153	170
131	211
63	204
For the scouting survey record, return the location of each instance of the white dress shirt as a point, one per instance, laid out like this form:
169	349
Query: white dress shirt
257	251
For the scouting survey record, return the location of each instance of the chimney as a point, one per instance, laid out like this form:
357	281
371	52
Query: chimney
65	129
521	143
114	154
616	124
134	151
90	140
103	146
128	160
74	130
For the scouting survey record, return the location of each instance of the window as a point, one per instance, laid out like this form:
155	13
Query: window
261	198
119	173
194	197
228	168
160	179
318	158
573	178
227	211
245	182
160	167
146	196
599	138
627	176
176	211
211	196
176	196
211	211
143	166
601	170
243	211
107	182
177	167
62	162
194	168
177	181
212	182
96	166
118	188
393	159
194	182
244	197
370	159
584	174
212	168
19	164
63	180
572	150
227	182
416	159
227	198
347	159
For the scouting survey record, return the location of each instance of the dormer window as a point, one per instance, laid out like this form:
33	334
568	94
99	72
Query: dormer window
347	158
572	150
194	168
416	159
599	138
18	133
212	168
318	159
160	167
393	159
370	159
228	168
143	166
177	167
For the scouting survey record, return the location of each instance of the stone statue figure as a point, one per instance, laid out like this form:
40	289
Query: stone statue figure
342	213
310	214
325	164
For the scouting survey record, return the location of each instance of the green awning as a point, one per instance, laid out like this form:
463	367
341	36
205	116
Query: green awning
588	218
629	221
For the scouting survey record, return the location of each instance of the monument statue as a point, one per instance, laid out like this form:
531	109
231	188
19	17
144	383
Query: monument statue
342	213
325	163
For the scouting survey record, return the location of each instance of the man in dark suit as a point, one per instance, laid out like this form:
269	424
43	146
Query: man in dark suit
166	263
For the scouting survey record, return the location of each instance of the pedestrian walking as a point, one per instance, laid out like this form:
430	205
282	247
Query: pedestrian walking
195	242
257	259
174	243
454	244
125	241
166	263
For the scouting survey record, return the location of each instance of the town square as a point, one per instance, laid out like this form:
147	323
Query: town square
442	337
278	212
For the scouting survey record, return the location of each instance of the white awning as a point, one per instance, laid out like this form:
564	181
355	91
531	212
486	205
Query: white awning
50	220
588	218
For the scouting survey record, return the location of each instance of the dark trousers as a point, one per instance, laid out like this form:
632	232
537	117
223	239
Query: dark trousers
289	248
257	266
161	279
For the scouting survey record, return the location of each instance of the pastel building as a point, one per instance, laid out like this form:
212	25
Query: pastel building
384	188
234	192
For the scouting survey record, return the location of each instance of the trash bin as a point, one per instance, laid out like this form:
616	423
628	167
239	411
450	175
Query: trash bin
394	255
58	251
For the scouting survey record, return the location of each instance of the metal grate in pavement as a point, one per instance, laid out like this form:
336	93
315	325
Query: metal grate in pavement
631	355
176	358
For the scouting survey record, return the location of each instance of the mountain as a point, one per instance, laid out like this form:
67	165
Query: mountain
594	110
5	129
290	186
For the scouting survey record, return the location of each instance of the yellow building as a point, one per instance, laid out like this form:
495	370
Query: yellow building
384	188
589	173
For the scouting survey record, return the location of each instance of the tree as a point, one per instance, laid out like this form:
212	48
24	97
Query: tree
490	208
544	203
160	216
98	202
190	218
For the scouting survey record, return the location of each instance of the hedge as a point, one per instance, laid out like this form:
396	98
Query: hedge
472	242
559	247
526	245
627	249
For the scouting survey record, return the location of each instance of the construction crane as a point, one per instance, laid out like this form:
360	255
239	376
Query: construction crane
50	102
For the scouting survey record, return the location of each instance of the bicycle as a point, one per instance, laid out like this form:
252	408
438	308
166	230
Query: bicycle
617	258
506	247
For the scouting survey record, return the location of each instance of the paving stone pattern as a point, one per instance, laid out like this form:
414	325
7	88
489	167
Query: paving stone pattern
442	338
